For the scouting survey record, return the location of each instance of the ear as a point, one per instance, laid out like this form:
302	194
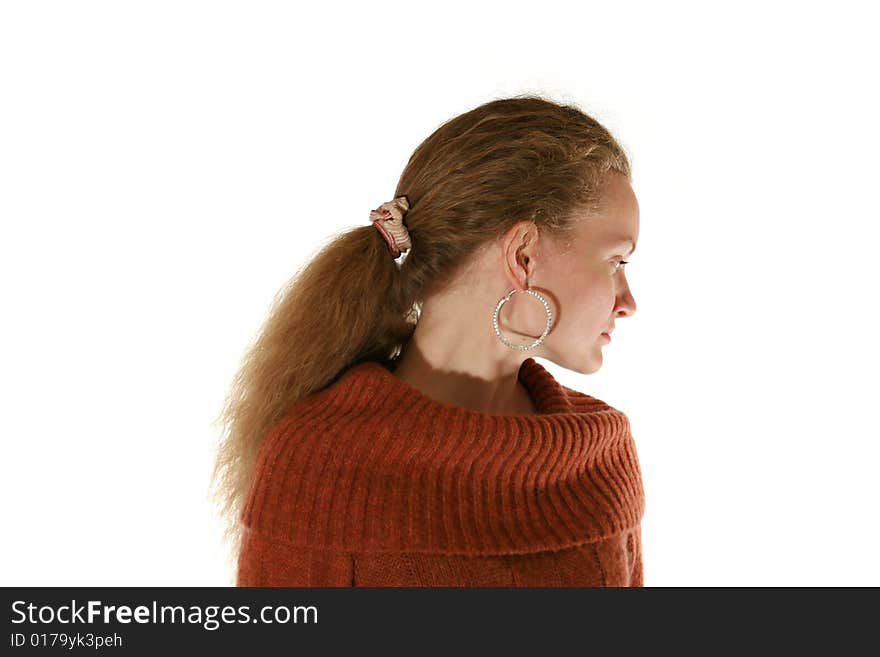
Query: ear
519	249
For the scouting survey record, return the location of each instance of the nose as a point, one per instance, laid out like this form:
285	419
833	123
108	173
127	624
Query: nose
626	304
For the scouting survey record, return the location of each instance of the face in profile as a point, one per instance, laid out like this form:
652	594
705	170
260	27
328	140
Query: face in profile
586	280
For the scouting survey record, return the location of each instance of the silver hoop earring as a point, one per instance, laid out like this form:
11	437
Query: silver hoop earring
504	300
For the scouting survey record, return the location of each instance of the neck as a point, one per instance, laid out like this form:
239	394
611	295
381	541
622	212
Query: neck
501	394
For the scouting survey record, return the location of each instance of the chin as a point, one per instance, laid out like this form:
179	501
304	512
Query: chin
586	364
591	370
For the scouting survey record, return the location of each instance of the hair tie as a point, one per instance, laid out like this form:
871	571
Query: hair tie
388	219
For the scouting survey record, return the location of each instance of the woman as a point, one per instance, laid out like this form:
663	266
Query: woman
390	427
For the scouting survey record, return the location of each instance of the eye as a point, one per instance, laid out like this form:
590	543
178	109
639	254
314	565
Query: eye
621	263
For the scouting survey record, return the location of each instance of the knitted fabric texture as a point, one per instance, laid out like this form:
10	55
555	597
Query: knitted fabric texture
370	482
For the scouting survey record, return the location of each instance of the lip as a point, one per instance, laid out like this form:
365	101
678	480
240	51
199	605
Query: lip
607	336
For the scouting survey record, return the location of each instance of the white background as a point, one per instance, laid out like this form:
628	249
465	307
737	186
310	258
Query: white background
165	167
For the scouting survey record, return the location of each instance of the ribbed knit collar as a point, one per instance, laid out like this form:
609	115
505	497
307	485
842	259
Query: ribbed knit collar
370	463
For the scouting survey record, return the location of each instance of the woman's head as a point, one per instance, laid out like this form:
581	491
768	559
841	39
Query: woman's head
517	191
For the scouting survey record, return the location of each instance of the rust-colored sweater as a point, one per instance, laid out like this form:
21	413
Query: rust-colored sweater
369	482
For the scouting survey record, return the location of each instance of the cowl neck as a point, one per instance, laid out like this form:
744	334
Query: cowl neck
370	463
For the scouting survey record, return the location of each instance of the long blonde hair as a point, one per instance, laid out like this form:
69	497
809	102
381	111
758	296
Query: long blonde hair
524	157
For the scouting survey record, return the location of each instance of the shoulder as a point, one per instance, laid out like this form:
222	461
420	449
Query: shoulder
302	468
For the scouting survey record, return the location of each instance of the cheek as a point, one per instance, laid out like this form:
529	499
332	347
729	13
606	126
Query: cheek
588	302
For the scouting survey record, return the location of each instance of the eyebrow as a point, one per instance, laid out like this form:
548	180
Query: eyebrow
627	240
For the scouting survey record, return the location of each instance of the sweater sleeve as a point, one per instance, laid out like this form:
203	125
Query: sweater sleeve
266	562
